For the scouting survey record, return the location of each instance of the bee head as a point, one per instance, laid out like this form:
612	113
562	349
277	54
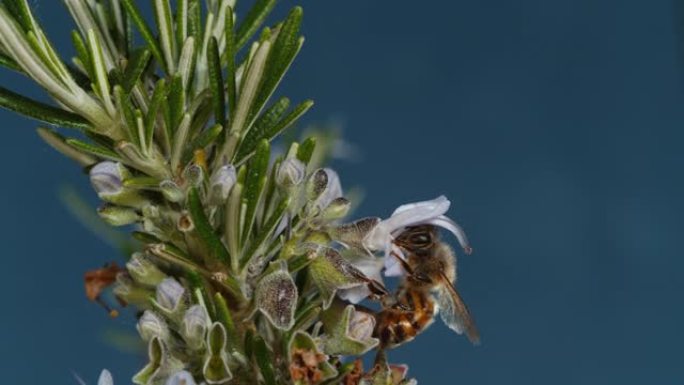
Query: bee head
417	239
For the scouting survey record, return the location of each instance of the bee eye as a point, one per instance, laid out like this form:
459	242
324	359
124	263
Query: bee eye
421	239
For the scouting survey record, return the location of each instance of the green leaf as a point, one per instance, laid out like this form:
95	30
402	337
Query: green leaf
158	98
262	127
42	112
135	68
125	107
145	31
195	20
283	52
266	231
230	52
254	185
207	137
162	16
218	96
306	150
284	123
251	23
181	21
264	360
93	149
199	284
217	253
21	12
82	53
58	142
8	62
176	101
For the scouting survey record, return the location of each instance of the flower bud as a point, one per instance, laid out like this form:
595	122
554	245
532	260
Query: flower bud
337	209
193	175
170	294
361	325
150	325
107	178
117	215
195	324
144	271
316	184
171	191
221	183
291	172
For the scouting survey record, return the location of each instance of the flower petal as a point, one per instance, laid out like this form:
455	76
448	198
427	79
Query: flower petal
181	378
393	267
105	378
404	216
448	224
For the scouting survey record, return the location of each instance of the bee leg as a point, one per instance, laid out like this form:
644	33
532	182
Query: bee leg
112	312
418	277
407	268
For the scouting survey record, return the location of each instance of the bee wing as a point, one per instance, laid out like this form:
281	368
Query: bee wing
454	311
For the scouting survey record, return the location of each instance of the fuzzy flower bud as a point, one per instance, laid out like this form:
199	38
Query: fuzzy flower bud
193	175
171	191
107	178
221	182
291	172
195	325
150	325
170	294
361	325
117	215
144	271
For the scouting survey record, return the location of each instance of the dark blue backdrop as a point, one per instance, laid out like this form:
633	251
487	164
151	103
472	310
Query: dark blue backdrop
555	127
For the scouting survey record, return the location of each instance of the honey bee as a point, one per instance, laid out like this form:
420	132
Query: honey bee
427	289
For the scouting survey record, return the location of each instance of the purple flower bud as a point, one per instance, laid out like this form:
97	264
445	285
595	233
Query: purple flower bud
107	178
170	294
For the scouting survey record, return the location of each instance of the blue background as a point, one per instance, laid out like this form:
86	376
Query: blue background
555	127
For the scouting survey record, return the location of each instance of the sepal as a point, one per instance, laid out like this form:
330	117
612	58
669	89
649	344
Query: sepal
276	297
215	369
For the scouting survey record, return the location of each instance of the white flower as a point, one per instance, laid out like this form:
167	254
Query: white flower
371	268
105	378
413	214
181	378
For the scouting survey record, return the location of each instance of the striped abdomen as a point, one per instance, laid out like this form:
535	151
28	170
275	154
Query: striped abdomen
413	313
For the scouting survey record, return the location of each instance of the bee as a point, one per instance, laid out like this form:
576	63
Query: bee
427	289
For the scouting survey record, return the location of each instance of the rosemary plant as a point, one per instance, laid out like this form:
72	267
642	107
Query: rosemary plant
244	274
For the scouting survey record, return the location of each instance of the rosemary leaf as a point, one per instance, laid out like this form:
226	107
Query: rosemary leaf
42	112
253	21
135	68
218	96
218	255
